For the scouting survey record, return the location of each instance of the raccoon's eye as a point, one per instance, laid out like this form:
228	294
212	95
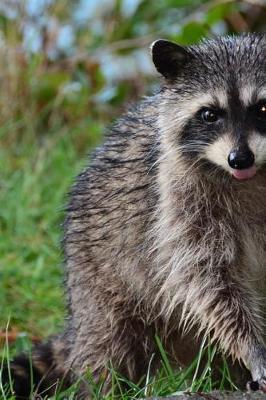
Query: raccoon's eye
210	115
260	110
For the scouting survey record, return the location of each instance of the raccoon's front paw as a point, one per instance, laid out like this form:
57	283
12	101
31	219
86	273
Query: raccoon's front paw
257	362
253	386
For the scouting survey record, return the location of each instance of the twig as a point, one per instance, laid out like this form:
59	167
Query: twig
12	337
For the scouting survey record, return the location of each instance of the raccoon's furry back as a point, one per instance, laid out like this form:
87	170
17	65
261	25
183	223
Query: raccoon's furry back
107	240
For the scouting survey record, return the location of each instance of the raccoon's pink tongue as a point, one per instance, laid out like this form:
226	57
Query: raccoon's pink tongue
242	174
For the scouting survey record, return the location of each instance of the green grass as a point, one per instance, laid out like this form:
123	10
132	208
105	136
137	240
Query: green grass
197	377
36	173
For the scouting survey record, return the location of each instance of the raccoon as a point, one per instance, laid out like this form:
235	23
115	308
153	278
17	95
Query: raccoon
165	230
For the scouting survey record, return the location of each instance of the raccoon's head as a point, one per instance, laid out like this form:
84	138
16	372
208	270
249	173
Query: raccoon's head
212	109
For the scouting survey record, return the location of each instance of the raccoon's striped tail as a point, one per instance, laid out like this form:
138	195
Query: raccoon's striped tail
35	376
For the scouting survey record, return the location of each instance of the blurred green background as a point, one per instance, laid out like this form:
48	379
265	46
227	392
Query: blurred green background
68	69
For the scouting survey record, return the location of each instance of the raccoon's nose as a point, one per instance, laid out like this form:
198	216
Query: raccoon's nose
241	158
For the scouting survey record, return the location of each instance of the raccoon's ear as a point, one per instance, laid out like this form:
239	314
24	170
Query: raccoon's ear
168	57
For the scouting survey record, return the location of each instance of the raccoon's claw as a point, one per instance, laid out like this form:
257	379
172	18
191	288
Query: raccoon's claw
253	386
262	385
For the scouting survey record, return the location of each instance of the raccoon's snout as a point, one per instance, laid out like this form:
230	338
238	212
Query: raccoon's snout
242	162
241	158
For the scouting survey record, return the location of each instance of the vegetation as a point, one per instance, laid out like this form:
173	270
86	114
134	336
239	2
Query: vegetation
68	68
197	377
